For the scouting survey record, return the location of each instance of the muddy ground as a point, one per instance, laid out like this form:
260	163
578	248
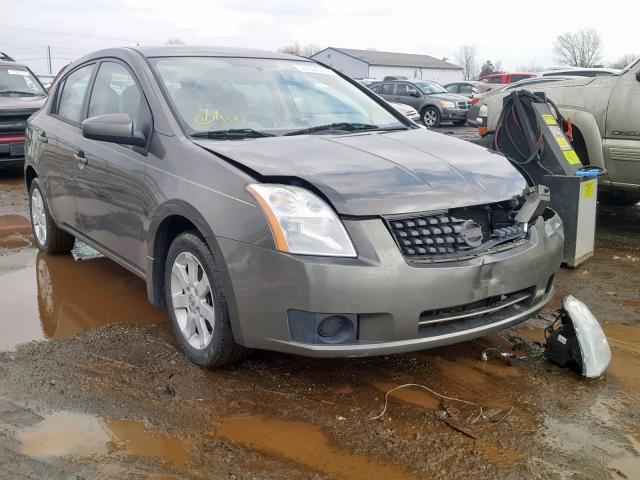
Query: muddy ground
92	386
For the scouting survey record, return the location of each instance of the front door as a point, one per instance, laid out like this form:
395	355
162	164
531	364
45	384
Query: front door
111	178
622	142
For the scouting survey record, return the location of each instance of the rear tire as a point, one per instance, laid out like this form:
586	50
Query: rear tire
619	198
197	304
49	238
431	117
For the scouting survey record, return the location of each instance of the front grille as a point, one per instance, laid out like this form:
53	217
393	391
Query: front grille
488	307
11	124
452	234
464	105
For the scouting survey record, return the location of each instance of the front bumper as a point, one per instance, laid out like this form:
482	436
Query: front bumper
11	149
454	114
385	292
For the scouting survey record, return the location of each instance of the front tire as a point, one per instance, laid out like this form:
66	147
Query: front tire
431	117
197	304
49	238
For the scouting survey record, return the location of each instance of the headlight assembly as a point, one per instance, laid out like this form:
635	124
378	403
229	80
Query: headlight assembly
301	222
446	104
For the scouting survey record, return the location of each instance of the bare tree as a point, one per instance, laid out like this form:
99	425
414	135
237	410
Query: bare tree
624	61
175	41
580	49
302	51
530	67
466	57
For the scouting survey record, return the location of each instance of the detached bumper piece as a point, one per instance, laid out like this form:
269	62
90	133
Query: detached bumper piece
457	233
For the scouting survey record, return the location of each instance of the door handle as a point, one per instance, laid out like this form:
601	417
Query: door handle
80	158
43	137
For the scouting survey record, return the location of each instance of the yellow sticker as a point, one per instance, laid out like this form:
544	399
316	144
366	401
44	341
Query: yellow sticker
563	143
589	189
572	157
549	119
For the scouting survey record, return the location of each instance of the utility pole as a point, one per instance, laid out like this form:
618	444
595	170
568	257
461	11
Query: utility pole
49	57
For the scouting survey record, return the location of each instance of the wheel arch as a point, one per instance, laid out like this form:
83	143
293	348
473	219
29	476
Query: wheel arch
29	174
587	127
170	220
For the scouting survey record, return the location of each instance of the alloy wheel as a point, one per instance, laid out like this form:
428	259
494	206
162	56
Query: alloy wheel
430	118
38	217
192	299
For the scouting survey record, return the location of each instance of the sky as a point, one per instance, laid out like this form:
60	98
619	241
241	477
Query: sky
503	30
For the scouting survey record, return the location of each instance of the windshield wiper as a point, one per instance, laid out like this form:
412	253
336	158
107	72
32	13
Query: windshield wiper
342	126
232	133
31	94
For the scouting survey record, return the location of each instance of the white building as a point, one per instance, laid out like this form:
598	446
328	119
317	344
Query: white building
375	64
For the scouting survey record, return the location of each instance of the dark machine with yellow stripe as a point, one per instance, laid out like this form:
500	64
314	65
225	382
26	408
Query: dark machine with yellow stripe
533	135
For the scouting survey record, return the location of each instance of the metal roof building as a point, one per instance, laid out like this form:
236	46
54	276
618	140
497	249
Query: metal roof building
377	64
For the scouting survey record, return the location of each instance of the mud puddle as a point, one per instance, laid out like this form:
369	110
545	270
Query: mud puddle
306	445
69	434
57	297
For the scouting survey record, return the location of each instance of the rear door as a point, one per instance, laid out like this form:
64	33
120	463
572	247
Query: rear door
622	142
408	94
110	181
386	91
60	139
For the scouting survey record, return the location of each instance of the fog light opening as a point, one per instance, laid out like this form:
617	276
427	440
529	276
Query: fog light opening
335	329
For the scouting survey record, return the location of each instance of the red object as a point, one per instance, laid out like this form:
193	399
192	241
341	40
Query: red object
502	78
474	101
11	139
569	131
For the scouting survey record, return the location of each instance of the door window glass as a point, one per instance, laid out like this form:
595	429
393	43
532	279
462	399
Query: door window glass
115	91
465	88
386	89
73	92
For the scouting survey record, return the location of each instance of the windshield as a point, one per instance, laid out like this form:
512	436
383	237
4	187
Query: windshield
17	80
431	87
212	94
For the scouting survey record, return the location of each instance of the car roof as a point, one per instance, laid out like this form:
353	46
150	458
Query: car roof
11	64
613	71
194	51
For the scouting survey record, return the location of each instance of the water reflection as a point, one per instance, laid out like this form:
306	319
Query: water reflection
57	297
76	296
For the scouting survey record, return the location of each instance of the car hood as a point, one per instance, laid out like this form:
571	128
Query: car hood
12	105
381	173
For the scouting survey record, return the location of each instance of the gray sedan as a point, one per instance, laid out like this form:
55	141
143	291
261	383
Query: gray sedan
271	202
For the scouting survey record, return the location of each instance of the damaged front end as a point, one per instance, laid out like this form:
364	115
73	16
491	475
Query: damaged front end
462	233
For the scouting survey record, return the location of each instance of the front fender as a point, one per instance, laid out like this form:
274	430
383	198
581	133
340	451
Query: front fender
588	126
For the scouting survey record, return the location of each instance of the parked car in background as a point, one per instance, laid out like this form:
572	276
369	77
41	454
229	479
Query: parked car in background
270	202
468	88
502	78
432	101
480	100
21	94
409	112
605	126
579	72
46	80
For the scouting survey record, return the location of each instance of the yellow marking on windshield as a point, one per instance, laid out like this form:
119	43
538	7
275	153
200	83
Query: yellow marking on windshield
207	116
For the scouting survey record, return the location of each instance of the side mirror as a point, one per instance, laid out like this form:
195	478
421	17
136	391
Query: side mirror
114	128
414	94
638	75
